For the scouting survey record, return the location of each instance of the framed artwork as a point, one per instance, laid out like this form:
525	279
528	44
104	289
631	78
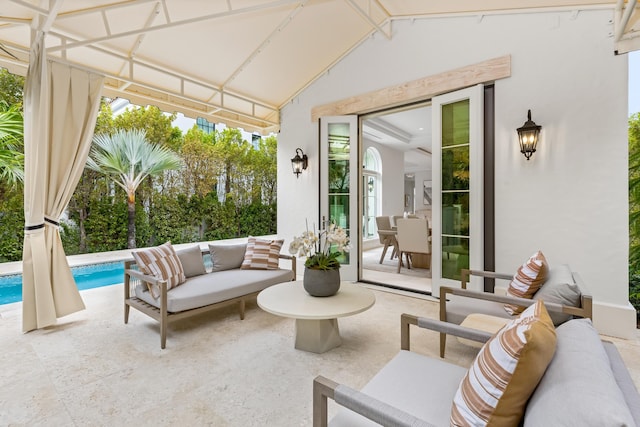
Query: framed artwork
426	192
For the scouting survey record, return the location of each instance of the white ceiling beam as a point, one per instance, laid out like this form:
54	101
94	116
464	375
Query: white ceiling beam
105	22
152	16
33	7
124	85
367	17
622	16
626	36
388	129
178	99
265	42
19	21
138	42
171	73
183	22
166	10
103	8
43	22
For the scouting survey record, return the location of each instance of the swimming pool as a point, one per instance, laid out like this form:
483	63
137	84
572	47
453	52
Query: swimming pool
87	277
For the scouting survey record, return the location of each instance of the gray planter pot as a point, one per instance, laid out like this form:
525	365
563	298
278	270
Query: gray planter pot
321	283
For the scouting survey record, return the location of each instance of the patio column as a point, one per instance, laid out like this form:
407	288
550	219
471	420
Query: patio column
60	109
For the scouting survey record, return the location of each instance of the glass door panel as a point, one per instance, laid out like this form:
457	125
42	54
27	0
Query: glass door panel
338	186
457	189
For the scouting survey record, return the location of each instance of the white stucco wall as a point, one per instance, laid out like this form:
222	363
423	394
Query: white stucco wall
570	199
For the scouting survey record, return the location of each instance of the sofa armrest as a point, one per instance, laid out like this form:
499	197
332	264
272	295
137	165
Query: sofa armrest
504	299
466	273
361	403
439	326
293	263
586	299
161	286
142	277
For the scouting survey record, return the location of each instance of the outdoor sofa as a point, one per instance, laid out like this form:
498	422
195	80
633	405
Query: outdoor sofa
226	282
585	383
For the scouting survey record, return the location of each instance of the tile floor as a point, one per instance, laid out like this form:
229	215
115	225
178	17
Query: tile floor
92	369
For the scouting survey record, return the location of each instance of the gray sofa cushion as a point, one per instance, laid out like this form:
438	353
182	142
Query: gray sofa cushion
215	287
191	260
407	383
561	289
624	380
227	256
578	388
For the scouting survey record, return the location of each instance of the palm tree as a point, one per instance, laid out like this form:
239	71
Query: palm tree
127	158
11	141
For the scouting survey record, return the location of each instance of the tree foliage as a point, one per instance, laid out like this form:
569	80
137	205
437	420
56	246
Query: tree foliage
11	89
11	145
634	211
127	158
11	128
157	125
11	224
225	189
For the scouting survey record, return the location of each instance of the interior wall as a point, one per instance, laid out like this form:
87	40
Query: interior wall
570	199
420	207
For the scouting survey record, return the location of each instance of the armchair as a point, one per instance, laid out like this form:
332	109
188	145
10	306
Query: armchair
416	390
564	293
410	389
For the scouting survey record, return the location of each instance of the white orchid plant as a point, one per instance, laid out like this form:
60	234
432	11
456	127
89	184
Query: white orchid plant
322	249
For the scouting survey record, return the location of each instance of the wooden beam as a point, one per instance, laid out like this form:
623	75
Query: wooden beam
418	90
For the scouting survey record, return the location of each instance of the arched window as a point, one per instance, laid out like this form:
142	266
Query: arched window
371	192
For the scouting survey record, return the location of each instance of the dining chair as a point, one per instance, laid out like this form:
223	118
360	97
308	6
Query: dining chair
413	238
387	236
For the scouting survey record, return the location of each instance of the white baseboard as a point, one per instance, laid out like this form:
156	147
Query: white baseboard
615	320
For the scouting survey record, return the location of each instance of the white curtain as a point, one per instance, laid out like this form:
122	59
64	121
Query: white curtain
60	109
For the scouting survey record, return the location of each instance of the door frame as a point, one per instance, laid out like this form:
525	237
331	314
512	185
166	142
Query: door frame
420	90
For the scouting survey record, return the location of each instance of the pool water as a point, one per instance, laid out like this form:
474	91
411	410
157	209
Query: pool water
87	277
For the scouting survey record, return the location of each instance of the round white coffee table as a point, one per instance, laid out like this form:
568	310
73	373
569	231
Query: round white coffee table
316	317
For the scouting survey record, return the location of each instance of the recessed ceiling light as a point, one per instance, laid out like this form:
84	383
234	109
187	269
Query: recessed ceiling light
420	128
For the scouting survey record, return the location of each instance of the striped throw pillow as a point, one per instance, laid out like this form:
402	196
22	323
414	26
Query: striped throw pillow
163	263
262	254
529	278
506	371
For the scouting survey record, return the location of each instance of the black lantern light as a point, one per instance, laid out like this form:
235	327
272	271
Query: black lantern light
528	136
299	162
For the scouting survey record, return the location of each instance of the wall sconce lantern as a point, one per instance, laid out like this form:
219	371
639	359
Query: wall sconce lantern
299	162
528	136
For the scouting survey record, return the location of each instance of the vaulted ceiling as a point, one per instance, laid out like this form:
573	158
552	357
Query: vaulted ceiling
235	61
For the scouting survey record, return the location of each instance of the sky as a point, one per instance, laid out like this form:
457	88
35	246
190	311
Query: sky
634	82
